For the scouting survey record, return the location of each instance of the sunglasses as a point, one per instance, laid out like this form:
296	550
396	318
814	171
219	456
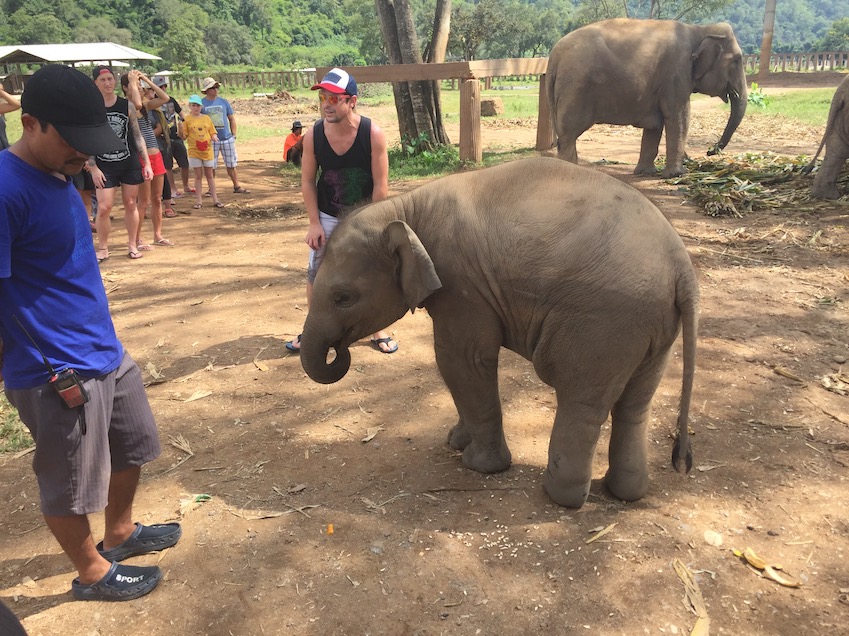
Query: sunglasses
333	99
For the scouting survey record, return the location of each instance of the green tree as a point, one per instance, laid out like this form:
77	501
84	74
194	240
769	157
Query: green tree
42	28
229	43
473	25
837	38
183	45
101	29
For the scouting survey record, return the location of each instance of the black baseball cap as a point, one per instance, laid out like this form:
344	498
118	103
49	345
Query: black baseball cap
69	100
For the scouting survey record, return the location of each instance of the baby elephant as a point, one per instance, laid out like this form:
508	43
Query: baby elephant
570	268
836	142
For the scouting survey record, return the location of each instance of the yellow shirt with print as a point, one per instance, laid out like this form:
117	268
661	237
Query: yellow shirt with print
199	131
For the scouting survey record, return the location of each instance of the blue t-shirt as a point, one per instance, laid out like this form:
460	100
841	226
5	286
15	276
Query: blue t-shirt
218	110
49	280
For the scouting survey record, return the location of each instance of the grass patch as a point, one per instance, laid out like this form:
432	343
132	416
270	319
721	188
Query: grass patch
809	106
14	436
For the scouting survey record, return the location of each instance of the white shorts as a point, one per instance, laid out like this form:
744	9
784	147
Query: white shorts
194	162
228	149
329	224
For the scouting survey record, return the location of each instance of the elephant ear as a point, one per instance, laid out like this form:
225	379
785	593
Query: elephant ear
707	55
417	274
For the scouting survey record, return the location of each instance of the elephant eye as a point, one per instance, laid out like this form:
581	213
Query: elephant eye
343	298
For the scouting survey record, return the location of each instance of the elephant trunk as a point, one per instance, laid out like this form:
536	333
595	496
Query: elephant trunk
738	99
314	360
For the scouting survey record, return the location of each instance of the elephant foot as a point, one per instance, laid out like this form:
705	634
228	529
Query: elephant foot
565	493
829	192
627	486
673	171
484	459
648	170
459	437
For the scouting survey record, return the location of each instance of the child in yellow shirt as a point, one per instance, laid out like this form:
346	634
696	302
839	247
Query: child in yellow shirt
199	133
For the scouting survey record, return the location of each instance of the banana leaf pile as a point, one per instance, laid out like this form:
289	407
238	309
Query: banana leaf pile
735	186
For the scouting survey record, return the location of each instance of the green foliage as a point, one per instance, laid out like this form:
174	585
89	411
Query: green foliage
837	37
416	158
757	97
101	29
14	436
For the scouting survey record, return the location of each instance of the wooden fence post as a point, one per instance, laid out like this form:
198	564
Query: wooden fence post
470	121
545	135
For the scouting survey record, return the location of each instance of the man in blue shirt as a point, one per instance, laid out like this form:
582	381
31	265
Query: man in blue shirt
224	120
76	389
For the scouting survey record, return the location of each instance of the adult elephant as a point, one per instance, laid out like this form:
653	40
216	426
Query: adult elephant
568	267
836	142
642	73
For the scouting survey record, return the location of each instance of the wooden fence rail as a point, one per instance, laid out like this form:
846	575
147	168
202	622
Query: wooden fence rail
818	61
289	80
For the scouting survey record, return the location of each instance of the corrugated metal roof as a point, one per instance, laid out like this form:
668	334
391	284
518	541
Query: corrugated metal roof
75	52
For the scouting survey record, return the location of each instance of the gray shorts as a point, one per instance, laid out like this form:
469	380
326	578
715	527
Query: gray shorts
73	470
329	224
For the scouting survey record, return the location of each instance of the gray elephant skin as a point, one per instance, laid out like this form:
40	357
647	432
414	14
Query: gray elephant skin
836	142
642	73
568	267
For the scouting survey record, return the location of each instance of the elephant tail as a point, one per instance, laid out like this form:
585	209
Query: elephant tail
687	301
837	105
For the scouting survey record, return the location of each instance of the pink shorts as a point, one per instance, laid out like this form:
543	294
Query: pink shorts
157	164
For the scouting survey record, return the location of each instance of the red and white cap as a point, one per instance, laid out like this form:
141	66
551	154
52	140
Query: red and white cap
337	81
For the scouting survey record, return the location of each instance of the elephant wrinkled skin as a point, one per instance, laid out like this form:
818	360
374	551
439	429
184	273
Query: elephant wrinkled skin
570	268
642	73
836	142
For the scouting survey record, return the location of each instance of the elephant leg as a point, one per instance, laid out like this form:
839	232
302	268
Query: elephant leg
648	151
676	128
627	475
570	452
468	362
567	148
825	180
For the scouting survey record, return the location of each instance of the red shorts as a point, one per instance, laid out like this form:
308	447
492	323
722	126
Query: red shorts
157	164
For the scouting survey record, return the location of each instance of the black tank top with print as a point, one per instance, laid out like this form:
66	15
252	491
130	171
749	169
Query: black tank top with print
343	180
118	116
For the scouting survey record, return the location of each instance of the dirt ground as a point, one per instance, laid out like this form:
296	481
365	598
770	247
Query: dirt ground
310	529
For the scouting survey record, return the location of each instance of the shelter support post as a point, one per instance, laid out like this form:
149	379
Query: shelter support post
470	121
545	134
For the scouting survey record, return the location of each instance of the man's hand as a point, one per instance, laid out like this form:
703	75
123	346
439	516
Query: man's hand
315	236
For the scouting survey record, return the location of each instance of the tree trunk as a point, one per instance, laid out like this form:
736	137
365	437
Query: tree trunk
416	103
766	42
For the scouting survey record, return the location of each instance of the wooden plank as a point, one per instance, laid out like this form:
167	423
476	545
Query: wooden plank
545	133
403	72
471	148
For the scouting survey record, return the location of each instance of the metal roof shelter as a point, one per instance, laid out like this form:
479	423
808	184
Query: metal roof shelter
75	54
71	53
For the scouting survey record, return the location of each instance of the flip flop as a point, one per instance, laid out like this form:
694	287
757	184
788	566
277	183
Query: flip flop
144	539
290	346
100	259
144	247
376	342
169	214
197	206
121	583
165	242
218	204
241	190
134	255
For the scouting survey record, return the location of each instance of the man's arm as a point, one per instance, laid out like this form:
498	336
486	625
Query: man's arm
141	146
232	119
309	170
11	102
379	164
161	96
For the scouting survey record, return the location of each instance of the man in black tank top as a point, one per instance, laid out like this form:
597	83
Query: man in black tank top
345	161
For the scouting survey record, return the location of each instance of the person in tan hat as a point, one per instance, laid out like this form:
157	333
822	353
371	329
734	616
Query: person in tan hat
221	113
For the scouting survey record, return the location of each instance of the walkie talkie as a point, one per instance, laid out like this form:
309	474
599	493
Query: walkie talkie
66	382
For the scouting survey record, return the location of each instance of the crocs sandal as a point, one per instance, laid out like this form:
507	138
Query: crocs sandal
143	540
121	583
